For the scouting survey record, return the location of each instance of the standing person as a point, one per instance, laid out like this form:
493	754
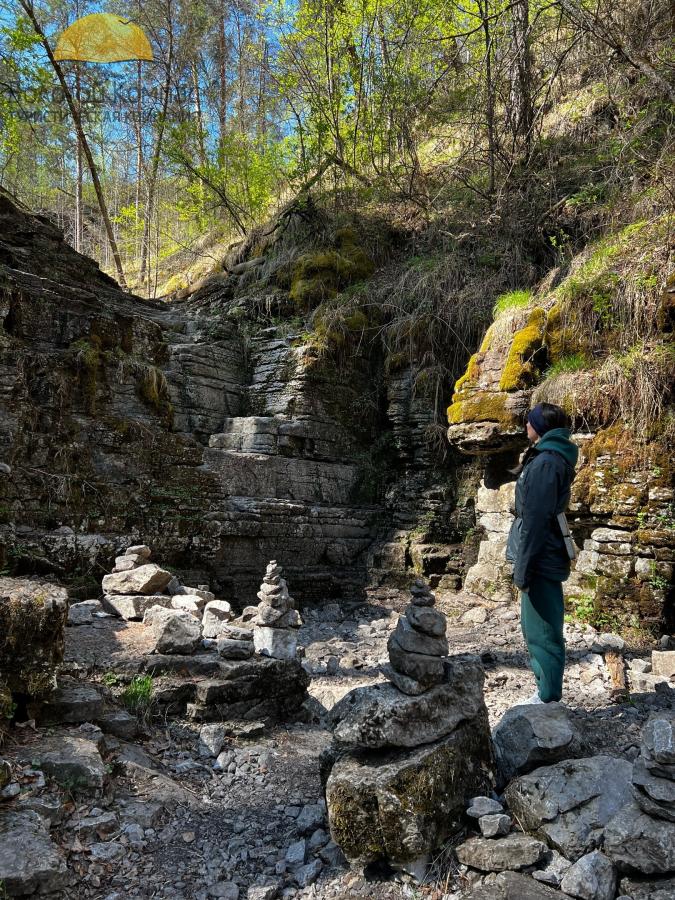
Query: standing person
536	546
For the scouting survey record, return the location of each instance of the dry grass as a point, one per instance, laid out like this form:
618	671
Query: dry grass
634	387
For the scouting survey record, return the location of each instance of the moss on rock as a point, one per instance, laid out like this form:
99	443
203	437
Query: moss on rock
485	406
521	365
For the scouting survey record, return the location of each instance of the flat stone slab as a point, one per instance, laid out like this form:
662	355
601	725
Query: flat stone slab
187	666
516	851
513	886
29	859
382	716
73	703
147	579
71	758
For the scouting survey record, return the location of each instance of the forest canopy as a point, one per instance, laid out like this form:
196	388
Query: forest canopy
246	105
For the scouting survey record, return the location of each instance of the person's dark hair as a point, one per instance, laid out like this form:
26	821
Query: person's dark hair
543	417
554	416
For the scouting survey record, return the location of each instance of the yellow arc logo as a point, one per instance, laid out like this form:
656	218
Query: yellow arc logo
103	38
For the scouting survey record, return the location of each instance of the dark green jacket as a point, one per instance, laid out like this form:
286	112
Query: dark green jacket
535	545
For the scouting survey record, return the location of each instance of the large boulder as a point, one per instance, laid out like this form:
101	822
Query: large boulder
593	877
382	716
175	631
146	579
33	618
401	806
29	860
636	842
530	736
569	804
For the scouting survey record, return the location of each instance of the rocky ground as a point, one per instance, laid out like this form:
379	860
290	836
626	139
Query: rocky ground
239	813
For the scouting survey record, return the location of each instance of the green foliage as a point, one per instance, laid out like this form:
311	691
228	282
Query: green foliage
110	679
512	300
572	362
137	696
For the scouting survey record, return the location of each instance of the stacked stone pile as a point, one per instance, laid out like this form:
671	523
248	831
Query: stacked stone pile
405	754
277	620
418	644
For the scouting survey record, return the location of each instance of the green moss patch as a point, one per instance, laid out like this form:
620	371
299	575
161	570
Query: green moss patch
522	363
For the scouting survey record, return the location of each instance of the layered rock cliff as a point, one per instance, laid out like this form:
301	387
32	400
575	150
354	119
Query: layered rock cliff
210	428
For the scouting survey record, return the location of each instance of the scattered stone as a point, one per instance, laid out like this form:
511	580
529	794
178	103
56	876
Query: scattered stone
592	877
528	736
477	615
494	825
106	853
517	851
233	649
211	739
296	854
29	860
306	875
569	804
311	817
512	886
144	579
484	806
119	723
188	603
174	631
217	613
102	826
654	889
263	892
555	868
141	550
663	663
83	613
226	890
332	855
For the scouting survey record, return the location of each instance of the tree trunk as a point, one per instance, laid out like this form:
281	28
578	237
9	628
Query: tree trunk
75	113
154	166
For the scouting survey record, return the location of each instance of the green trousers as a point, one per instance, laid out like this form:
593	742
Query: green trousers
541	619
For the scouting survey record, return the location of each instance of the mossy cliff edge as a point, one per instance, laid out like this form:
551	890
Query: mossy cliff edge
600	344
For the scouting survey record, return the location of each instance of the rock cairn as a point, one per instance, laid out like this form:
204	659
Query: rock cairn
277	619
418	644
